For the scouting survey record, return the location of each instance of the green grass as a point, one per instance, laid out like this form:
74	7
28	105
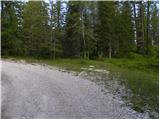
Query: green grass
140	75
144	86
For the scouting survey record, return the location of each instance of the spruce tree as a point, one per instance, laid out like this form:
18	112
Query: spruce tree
106	16
9	27
36	29
126	38
73	47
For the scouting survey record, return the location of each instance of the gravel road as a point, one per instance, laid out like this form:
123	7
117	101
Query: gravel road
36	91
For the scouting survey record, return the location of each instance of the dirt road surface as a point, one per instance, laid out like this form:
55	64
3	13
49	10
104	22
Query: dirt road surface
36	91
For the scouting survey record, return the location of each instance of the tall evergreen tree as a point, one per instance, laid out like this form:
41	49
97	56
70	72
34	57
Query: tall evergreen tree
155	23
88	28
58	26
126	38
148	39
140	29
36	29
73	30
9	27
106	15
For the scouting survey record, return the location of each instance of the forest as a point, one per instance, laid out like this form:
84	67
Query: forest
79	29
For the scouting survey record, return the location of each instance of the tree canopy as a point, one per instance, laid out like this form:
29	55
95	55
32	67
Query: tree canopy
79	29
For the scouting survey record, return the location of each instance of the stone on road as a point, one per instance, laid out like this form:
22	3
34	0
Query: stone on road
36	91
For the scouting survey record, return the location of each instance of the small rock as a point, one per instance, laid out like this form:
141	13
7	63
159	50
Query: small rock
91	66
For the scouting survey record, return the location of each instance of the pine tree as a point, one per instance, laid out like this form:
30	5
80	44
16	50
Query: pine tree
9	27
88	26
126	38
155	23
106	15
135	19
57	17
73	43
36	29
148	41
140	29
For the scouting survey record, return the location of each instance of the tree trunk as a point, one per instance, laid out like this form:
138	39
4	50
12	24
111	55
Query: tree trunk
135	19
140	30
110	50
58	13
142	21
51	12
54	44
148	21
83	36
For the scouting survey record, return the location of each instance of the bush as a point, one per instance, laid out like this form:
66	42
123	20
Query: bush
154	51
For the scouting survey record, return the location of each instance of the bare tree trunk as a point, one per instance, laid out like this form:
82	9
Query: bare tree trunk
148	16
135	19
142	21
110	49
54	48
140	30
83	36
88	54
58	13
51	12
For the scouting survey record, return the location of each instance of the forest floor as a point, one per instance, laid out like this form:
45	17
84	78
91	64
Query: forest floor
135	81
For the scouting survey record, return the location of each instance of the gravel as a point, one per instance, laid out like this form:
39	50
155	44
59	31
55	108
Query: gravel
36	91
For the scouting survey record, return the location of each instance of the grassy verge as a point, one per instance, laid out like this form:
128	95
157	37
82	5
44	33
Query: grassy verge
140	75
